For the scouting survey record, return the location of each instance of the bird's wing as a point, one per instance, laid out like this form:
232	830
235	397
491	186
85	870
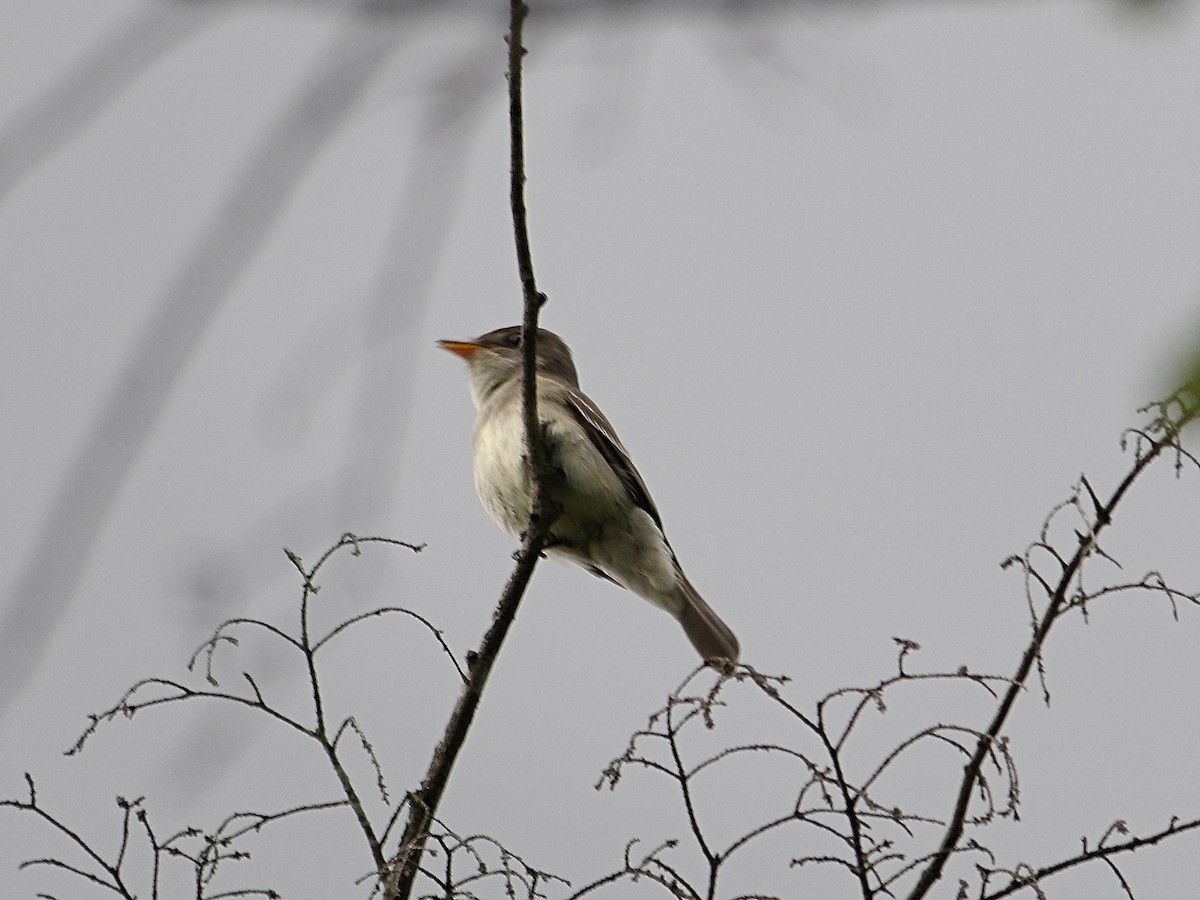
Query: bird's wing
604	437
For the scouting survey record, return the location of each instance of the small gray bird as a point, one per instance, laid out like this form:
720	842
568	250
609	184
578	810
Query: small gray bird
607	522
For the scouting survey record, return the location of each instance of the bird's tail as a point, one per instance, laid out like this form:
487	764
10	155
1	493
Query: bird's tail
711	637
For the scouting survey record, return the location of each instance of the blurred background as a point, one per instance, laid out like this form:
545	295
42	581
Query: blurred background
865	286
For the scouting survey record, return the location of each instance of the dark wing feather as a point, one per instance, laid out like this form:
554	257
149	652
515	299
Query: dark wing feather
604	437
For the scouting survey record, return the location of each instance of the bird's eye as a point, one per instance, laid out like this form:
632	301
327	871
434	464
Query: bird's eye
514	339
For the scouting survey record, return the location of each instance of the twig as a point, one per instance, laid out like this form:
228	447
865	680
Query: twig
424	802
1099	852
1167	429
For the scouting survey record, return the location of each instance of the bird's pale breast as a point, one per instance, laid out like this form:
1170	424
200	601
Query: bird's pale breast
598	524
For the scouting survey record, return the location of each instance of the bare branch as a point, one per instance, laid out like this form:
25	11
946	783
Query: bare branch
127	706
1166	427
386	610
1101	851
424	801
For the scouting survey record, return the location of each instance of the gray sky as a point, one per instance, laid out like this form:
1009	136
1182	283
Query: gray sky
863	290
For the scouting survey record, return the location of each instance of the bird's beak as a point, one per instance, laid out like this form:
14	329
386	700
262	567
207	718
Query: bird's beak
465	349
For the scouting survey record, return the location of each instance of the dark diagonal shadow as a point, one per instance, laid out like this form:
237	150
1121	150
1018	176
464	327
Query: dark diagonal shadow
366	488
52	118
425	213
187	308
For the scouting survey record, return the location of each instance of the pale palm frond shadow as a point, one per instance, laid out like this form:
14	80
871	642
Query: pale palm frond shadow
84	91
364	486
188	305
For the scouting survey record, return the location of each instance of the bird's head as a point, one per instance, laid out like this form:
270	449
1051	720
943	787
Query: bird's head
496	358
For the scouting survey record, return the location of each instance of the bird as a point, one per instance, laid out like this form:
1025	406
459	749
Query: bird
606	520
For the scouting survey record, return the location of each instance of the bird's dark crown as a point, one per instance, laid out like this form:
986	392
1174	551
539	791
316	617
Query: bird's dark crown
553	354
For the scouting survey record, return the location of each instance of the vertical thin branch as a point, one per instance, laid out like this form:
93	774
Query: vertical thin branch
320	730
862	869
533	300
424	802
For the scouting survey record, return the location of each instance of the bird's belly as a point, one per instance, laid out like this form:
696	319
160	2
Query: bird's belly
502	473
598	524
